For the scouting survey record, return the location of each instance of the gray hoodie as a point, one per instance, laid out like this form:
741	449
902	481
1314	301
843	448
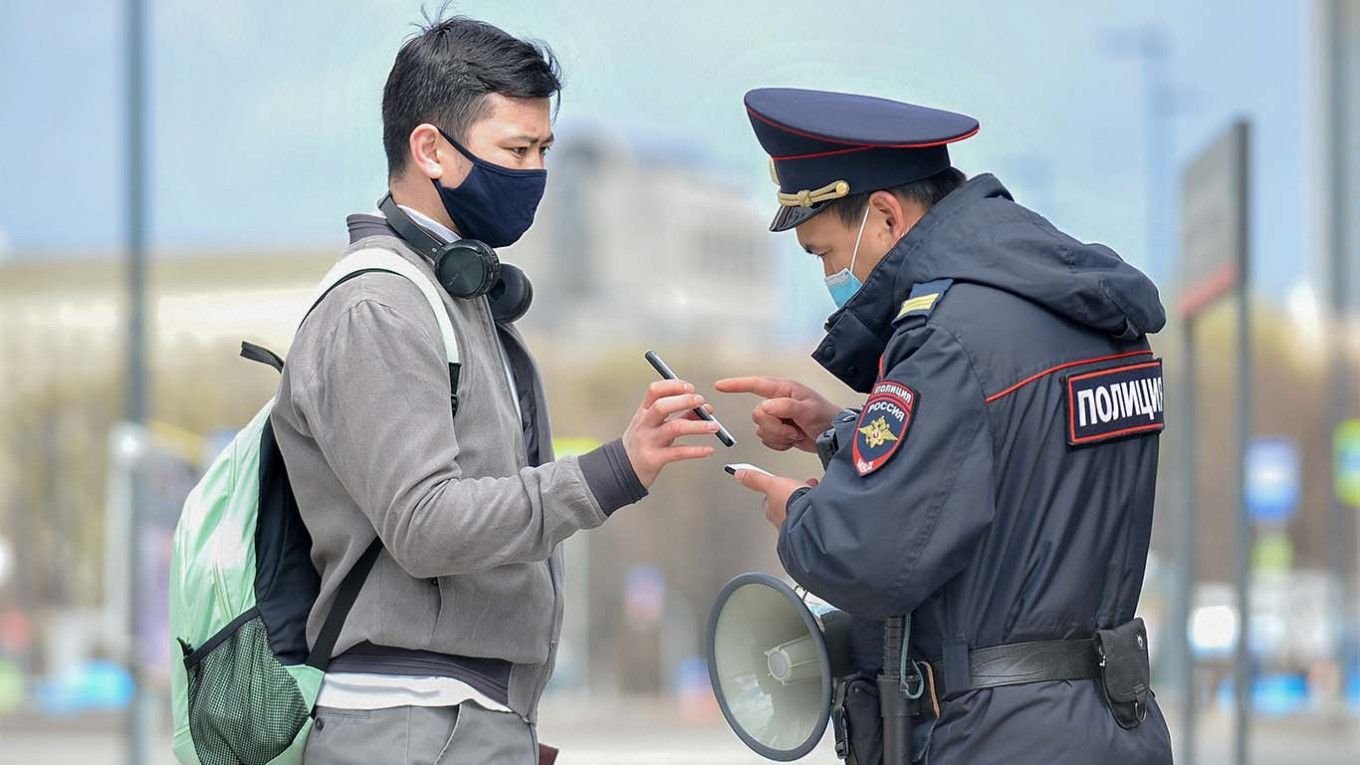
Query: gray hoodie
469	581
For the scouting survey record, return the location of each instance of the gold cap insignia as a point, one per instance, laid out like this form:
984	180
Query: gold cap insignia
810	197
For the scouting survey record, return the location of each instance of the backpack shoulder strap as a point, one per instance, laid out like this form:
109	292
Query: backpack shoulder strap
350	266
253	352
320	655
379	259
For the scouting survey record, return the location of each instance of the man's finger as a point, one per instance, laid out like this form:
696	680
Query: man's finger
677	453
663	388
690	415
665	407
678	427
765	387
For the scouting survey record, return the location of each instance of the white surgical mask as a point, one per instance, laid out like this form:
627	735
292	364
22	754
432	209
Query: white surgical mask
844	284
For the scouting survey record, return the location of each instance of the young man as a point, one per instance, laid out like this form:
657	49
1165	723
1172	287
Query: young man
993	498
452	638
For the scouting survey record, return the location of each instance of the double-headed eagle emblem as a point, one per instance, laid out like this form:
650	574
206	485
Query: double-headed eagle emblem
877	433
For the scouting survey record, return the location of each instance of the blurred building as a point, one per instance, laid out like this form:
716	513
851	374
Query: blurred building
636	245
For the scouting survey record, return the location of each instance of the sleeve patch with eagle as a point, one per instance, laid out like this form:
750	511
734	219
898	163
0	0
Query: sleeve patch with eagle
882	426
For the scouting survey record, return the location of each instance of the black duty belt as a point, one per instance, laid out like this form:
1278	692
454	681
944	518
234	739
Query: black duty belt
1019	663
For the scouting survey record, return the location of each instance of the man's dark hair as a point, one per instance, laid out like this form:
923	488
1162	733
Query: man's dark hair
926	192
443	74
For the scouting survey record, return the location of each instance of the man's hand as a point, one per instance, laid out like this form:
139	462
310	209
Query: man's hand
777	490
663	417
792	414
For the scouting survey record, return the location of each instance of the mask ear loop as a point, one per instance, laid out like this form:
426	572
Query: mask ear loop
858	237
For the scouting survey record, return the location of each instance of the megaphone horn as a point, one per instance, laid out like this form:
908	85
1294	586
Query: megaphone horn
772	658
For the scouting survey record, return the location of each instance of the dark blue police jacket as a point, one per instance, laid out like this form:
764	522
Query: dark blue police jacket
999	481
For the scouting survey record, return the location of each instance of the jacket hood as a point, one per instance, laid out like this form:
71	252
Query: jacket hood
979	234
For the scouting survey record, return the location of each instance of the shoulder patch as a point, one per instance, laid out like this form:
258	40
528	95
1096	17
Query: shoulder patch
923	298
882	426
1114	403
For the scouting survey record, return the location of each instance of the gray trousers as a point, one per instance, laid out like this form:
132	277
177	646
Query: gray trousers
467	733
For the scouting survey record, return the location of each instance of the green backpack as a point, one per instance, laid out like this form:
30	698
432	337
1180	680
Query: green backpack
242	583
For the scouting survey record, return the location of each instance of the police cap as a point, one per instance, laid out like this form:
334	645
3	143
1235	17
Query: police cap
824	145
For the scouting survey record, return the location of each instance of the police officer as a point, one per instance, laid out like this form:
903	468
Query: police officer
990	504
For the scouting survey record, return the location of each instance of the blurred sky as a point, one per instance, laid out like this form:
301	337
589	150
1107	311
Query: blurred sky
266	126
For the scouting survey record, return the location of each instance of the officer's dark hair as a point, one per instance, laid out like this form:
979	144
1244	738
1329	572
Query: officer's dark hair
926	192
444	72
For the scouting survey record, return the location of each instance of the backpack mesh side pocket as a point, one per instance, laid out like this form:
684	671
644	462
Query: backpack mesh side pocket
244	707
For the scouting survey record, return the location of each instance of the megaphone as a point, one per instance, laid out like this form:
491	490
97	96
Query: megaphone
773	657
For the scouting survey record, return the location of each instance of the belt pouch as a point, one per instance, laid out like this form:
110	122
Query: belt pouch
1125	673
859	722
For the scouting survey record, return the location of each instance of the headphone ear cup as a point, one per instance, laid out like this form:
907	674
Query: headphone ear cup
468	268
512	295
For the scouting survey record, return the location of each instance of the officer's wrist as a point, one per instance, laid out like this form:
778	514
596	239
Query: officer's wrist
826	447
829	442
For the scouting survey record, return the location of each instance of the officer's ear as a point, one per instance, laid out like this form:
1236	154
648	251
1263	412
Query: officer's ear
897	216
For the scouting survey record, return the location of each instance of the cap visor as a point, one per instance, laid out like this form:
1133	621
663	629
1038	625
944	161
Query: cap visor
789	217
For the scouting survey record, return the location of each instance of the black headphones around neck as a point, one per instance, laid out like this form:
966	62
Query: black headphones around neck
466	268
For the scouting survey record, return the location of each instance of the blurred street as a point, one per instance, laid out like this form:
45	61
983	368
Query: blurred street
646	733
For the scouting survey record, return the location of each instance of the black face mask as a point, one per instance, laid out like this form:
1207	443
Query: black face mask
493	204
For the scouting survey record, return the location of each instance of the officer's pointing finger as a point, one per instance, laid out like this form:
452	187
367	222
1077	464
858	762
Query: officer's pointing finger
765	387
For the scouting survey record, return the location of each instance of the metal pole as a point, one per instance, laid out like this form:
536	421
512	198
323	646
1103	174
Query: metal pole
1153	50
1149	43
1189	544
1156	65
1241	655
136	402
1340	162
